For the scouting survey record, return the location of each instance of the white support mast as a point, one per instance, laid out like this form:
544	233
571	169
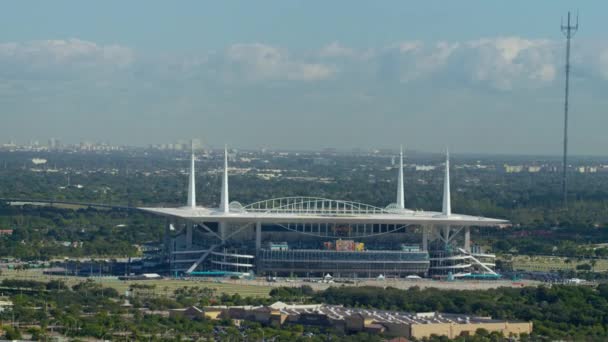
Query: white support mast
400	190
224	205
192	182
447	205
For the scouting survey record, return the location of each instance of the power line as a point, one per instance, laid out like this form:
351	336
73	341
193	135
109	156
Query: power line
568	30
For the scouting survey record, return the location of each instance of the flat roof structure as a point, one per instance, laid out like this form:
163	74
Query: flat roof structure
384	316
321	210
406	217
390	323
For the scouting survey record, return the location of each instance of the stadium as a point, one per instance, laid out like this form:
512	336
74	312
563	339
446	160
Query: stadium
319	237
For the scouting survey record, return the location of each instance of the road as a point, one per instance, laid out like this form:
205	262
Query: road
51	202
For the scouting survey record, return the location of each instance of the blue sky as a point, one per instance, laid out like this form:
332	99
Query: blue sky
479	76
191	24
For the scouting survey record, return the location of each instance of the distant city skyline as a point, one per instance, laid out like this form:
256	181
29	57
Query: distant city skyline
478	77
183	146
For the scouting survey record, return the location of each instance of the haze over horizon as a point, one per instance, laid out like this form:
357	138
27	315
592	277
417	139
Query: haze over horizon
478	77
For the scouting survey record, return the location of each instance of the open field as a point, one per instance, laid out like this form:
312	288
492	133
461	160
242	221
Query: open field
551	263
259	287
163	286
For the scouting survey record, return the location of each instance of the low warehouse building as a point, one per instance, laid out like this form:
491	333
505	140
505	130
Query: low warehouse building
388	323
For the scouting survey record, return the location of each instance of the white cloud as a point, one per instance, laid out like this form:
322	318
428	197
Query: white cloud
405	47
502	63
258	62
335	49
413	60
507	48
508	62
309	72
70	52
438	56
83	83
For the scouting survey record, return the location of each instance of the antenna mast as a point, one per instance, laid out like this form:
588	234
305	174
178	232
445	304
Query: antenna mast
568	30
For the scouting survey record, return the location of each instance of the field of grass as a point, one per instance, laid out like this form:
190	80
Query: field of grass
162	286
550	263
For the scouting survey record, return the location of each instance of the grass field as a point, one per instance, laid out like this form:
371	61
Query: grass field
255	288
550	263
163	286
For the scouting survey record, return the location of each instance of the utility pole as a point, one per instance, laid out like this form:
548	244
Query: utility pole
568	30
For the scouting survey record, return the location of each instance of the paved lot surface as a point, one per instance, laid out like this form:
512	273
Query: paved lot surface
162	286
260	287
544	263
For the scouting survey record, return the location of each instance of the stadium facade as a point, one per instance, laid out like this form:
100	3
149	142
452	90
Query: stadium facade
313	237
